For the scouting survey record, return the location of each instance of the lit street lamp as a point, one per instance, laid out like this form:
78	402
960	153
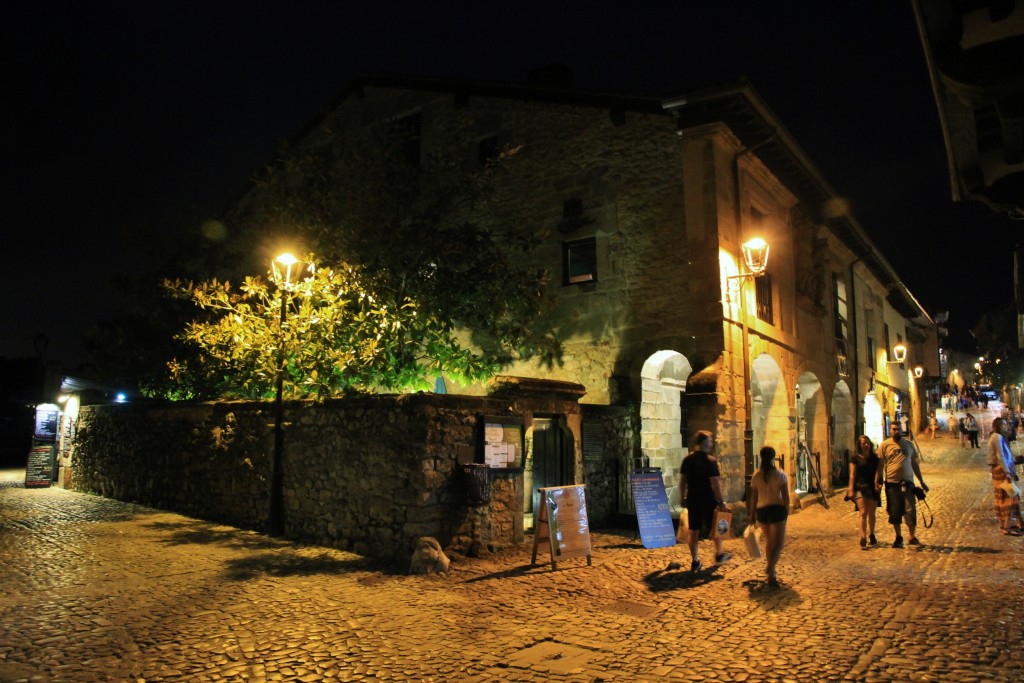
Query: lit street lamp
276	521
755	257
899	354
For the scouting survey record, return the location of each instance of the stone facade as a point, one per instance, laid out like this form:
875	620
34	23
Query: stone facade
672	327
368	474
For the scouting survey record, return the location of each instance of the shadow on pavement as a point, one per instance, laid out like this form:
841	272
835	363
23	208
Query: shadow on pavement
948	549
670	580
772	597
281	564
521	570
182	533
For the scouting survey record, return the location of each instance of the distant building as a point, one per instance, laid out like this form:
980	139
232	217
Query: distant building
657	309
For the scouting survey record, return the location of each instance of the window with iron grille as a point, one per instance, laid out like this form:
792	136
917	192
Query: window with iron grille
763	297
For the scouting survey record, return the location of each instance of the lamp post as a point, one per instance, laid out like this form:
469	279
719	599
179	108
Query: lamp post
276	521
755	257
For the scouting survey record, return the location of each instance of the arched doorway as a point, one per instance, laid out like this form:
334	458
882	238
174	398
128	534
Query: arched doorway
663	380
843	432
812	441
874	422
770	409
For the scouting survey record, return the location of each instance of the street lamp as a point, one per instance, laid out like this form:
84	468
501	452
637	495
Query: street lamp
755	257
899	354
919	372
276	521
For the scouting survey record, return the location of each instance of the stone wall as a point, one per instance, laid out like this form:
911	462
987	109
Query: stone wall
368	474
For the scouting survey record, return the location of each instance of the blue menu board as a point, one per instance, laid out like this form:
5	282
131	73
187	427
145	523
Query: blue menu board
653	515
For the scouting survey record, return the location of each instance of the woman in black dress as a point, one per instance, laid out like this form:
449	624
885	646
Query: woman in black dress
863	466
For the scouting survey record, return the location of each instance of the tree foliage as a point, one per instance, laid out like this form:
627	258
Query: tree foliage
996	334
428	230
338	335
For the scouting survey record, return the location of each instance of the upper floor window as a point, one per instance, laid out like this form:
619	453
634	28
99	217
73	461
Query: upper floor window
763	298
579	261
409	130
840	314
487	151
872	358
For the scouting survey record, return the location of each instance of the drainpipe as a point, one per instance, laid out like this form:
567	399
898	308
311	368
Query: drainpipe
748	427
857	405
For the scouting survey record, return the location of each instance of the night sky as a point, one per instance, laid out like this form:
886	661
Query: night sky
128	123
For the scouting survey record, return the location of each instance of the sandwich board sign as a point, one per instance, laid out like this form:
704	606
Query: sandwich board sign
563	523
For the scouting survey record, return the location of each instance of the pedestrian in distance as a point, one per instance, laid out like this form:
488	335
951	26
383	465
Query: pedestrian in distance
962	422
700	489
933	424
863	469
1004	477
898	462
769	507
972	430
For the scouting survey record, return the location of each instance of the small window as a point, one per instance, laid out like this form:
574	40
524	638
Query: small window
763	298
872	359
579	261
487	151
409	130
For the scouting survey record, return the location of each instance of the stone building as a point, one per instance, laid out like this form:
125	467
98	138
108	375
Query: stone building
646	203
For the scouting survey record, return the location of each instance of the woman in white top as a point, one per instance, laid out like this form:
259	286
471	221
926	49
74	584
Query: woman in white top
769	497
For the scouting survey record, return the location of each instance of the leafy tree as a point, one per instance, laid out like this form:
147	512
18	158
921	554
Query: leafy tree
423	230
338	335
996	333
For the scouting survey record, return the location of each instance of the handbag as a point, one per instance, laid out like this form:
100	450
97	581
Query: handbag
1010	488
683	532
750	542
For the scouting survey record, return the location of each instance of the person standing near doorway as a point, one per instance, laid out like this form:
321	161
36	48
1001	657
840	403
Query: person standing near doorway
898	462
700	489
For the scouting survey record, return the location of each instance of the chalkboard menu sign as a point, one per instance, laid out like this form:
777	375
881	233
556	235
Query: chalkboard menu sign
39	468
503	442
653	515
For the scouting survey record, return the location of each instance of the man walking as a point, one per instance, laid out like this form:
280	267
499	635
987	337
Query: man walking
700	490
898	462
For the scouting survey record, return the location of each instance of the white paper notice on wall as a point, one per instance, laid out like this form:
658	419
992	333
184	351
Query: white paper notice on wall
499	454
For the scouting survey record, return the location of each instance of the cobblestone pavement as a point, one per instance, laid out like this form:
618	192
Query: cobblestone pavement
98	590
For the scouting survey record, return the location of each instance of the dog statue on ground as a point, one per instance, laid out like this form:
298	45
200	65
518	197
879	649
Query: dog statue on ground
428	557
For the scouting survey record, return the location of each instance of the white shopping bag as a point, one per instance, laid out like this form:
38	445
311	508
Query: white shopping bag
750	542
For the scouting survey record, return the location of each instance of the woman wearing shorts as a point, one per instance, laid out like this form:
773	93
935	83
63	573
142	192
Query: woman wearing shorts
863	467
769	497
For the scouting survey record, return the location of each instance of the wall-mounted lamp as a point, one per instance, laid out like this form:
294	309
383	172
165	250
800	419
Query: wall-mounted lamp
899	354
755	255
919	372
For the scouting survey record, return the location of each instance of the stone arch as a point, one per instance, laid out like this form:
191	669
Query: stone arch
811	430
770	409
663	379
874	420
844	421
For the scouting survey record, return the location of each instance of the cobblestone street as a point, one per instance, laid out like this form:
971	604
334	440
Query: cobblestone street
98	590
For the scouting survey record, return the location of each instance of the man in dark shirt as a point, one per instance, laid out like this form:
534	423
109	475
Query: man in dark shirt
700	490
